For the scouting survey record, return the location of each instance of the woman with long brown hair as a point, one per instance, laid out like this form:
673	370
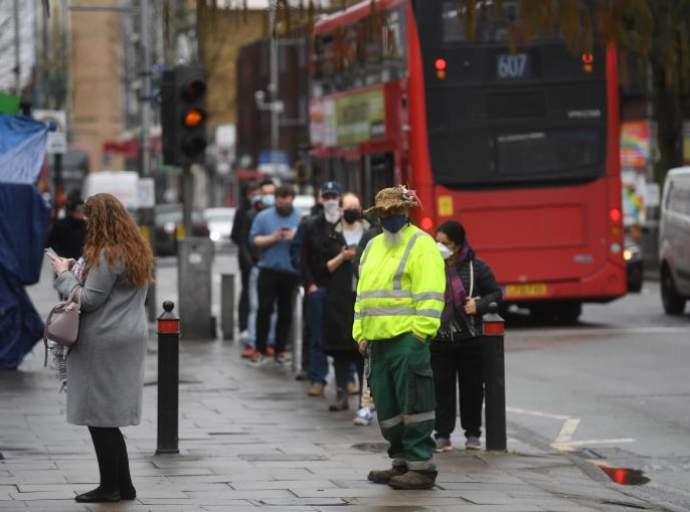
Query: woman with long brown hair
105	369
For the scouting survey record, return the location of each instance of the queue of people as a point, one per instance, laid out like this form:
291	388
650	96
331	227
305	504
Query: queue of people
412	304
396	309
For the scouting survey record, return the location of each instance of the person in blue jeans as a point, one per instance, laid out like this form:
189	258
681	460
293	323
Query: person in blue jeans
250	255
272	231
315	278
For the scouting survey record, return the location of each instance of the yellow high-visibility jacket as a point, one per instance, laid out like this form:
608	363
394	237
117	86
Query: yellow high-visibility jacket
400	289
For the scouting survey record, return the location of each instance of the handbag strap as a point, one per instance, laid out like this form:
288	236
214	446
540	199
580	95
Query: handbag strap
76	291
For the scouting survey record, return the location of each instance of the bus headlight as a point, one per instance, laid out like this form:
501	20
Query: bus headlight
627	255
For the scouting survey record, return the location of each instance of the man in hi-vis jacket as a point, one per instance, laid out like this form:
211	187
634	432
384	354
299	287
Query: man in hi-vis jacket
398	309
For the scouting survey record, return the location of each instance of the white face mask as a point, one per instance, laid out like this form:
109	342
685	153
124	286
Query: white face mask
445	252
331	209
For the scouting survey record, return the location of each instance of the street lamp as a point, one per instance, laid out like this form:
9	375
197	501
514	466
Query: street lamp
276	108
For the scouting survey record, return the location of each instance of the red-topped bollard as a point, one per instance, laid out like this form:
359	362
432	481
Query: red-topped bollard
168	379
494	380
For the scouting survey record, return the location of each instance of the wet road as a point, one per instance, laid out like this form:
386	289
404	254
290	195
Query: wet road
613	388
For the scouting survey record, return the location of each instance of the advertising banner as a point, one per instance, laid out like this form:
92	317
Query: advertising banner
361	117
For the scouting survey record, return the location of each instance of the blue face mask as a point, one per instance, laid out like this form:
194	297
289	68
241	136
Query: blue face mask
394	223
268	200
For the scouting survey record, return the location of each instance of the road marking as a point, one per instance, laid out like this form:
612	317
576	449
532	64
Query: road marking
567	431
564	440
537	413
569	444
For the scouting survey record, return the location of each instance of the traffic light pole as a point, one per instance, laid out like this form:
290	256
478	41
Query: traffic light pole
147	216
187	200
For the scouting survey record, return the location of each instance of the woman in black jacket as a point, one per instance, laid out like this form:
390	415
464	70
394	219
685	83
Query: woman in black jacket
457	351
339	252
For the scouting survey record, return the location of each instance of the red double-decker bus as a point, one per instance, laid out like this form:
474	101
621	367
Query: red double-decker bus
522	147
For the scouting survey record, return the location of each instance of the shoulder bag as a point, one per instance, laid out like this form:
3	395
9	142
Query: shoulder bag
62	324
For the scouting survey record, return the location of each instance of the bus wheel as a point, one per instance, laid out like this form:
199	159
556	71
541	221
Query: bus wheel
674	303
569	312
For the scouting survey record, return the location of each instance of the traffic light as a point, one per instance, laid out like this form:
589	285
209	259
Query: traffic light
183	115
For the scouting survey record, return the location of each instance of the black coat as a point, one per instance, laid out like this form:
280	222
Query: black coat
67	237
486	290
339	308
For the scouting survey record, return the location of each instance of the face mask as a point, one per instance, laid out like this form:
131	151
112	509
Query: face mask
394	223
268	200
352	215
256	200
445	252
284	211
331	209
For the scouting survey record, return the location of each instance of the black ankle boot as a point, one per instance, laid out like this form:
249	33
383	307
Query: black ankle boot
99	496
128	494
341	402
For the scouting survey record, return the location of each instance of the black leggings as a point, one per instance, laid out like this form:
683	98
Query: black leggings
458	366
113	462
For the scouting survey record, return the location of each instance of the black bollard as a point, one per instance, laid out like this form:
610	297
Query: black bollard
168	379
494	380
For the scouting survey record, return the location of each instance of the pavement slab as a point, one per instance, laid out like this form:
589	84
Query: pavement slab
253	439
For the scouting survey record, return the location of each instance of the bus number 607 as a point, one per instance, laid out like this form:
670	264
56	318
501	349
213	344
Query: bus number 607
513	66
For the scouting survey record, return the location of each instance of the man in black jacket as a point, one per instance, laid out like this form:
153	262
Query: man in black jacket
241	225
68	235
315	278
250	256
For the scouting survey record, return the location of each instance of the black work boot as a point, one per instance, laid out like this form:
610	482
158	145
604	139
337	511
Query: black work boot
385	476
414	480
341	402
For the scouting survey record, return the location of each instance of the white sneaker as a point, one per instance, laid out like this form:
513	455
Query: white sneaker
259	360
443	444
473	443
244	336
364	417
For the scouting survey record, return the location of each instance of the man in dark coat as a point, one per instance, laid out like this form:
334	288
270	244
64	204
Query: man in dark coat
241	225
315	278
68	235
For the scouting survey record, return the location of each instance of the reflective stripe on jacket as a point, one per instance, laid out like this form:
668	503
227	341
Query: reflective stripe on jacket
400	289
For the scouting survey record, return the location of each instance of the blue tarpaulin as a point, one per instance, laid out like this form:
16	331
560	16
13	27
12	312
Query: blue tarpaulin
22	149
24	217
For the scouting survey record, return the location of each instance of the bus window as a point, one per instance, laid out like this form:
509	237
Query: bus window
489	28
548	154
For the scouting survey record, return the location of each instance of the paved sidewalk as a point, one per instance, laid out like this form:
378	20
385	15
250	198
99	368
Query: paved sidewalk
252	438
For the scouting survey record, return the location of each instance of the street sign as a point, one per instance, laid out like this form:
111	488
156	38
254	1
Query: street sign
9	104
146	193
56	120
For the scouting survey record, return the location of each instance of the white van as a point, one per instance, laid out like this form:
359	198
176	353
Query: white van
122	184
674	241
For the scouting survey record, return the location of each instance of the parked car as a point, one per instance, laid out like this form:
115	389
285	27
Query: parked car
634	264
170	227
219	222
674	241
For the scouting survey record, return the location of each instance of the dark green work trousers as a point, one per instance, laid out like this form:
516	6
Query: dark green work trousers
402	386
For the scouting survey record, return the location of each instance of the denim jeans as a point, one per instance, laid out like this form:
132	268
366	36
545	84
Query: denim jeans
254	309
318	361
